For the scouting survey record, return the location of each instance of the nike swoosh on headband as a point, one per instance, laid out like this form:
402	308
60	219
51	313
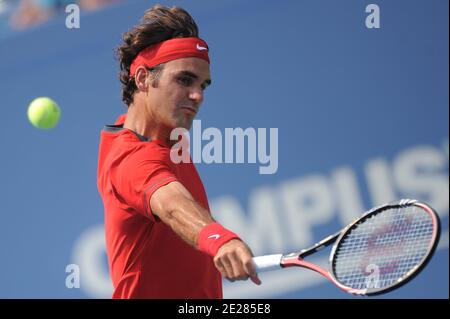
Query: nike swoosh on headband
200	48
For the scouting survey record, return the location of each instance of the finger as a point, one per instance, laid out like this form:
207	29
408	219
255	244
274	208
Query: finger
256	280
238	267
250	268
220	267
227	267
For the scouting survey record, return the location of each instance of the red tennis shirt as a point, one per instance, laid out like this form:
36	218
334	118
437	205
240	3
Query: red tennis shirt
146	258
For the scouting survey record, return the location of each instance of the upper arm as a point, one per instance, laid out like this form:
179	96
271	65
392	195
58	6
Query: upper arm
139	177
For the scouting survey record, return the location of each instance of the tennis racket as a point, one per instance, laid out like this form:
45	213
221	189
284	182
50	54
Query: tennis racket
378	252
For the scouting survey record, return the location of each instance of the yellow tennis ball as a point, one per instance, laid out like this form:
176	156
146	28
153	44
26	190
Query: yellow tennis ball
44	113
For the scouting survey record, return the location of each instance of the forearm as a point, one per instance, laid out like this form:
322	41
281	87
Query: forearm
175	206
187	218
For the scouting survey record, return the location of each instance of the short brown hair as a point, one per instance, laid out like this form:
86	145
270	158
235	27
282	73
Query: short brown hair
158	24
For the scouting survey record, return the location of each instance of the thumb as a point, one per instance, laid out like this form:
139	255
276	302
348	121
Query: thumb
250	269
256	280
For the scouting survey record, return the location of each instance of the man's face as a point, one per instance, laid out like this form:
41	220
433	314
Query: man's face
177	97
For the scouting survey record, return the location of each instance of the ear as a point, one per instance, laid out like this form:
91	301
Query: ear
141	78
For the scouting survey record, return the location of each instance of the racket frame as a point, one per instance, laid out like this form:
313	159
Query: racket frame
297	259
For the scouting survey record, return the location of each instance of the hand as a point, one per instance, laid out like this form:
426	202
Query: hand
234	261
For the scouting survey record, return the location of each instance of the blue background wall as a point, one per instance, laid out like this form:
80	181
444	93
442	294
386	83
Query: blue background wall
362	117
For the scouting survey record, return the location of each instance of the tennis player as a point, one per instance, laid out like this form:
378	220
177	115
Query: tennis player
161	239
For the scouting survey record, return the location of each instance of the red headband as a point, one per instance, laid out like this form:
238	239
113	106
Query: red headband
170	50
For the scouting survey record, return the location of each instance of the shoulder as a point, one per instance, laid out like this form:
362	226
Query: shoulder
141	158
122	149
150	151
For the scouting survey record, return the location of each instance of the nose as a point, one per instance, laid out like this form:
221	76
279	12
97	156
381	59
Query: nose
196	96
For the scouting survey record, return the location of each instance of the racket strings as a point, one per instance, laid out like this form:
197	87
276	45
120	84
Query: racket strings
383	248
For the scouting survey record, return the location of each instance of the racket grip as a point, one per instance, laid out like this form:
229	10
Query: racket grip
267	263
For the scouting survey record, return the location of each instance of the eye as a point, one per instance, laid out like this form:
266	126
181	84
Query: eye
184	80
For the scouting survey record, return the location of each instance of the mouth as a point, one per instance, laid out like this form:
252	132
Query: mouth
189	110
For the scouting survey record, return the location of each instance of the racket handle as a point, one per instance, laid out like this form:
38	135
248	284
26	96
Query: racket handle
267	263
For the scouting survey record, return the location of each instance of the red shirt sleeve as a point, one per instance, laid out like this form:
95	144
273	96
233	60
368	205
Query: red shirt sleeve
142	173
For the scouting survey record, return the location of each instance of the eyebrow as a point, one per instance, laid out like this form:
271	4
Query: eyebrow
194	76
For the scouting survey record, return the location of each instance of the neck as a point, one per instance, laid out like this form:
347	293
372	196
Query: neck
139	120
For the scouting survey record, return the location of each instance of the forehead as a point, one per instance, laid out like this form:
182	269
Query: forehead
195	65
